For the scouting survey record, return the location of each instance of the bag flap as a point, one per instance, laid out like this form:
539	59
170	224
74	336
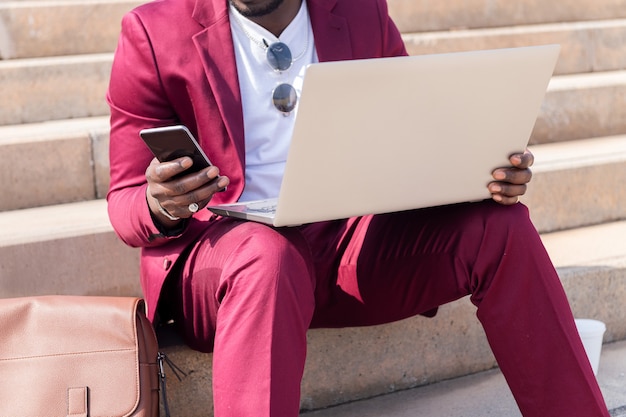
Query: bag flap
52	345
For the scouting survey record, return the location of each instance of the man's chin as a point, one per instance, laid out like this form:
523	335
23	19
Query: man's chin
257	8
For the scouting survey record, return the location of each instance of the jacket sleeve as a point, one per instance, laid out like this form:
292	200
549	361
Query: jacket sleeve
137	100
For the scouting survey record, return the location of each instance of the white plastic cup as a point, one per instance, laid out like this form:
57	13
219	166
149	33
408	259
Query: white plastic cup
591	333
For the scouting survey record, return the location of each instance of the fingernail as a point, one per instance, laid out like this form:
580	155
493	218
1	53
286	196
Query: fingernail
212	172
186	163
222	182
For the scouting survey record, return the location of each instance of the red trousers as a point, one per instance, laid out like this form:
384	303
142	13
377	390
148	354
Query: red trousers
250	292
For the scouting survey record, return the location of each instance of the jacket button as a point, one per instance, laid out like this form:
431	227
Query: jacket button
167	263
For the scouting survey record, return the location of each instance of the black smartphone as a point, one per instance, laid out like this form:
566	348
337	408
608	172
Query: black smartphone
171	142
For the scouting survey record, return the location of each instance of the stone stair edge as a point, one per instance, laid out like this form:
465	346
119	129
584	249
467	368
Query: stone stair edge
580	152
52	129
600	244
580	106
54	162
540	27
577	183
411	16
580	54
66	220
597	79
48	3
601	155
28	31
51	61
511	36
551	121
586	46
611	145
474	15
61	88
54	222
107	58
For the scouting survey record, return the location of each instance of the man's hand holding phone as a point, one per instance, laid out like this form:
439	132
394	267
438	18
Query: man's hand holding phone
172	195
181	179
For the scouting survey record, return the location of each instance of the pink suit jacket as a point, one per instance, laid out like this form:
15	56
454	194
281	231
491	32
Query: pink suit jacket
174	64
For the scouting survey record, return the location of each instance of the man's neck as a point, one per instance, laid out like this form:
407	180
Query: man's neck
278	20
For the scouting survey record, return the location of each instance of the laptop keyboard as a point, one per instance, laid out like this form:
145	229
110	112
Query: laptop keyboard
262	207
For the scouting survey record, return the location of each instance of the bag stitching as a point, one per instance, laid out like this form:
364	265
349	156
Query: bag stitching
91	352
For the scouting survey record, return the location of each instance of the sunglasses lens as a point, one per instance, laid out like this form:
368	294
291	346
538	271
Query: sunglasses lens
279	56
285	98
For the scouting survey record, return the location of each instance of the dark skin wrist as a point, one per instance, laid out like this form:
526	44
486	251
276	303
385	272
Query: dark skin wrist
166	222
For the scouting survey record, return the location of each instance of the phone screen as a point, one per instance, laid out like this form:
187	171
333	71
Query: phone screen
171	142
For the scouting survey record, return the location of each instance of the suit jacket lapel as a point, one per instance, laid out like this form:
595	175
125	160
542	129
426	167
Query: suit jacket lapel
215	47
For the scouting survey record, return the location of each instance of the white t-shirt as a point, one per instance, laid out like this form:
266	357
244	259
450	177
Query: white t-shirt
267	130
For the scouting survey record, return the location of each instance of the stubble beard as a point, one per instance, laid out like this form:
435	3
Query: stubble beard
259	11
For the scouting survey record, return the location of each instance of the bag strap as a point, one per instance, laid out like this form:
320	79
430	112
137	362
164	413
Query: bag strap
77	405
161	359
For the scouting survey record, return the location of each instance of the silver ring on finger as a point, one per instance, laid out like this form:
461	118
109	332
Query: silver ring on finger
193	207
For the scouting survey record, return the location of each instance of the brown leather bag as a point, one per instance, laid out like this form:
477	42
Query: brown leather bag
74	356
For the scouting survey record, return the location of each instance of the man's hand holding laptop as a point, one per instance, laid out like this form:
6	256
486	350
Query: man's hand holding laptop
510	182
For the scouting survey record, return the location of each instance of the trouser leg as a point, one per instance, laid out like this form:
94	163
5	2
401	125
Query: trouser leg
253	286
403	264
247	294
530	326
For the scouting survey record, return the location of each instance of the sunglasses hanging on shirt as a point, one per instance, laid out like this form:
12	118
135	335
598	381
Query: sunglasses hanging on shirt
279	58
284	96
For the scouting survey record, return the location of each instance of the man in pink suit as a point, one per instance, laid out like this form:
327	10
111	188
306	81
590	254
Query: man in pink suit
231	71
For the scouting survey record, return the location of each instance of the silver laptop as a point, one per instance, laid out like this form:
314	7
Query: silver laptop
383	135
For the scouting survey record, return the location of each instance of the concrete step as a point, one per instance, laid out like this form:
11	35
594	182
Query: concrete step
576	106
582	106
54	162
578	183
573	185
592	265
77	237
422	16
586	46
30	29
479	395
42	89
65	249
